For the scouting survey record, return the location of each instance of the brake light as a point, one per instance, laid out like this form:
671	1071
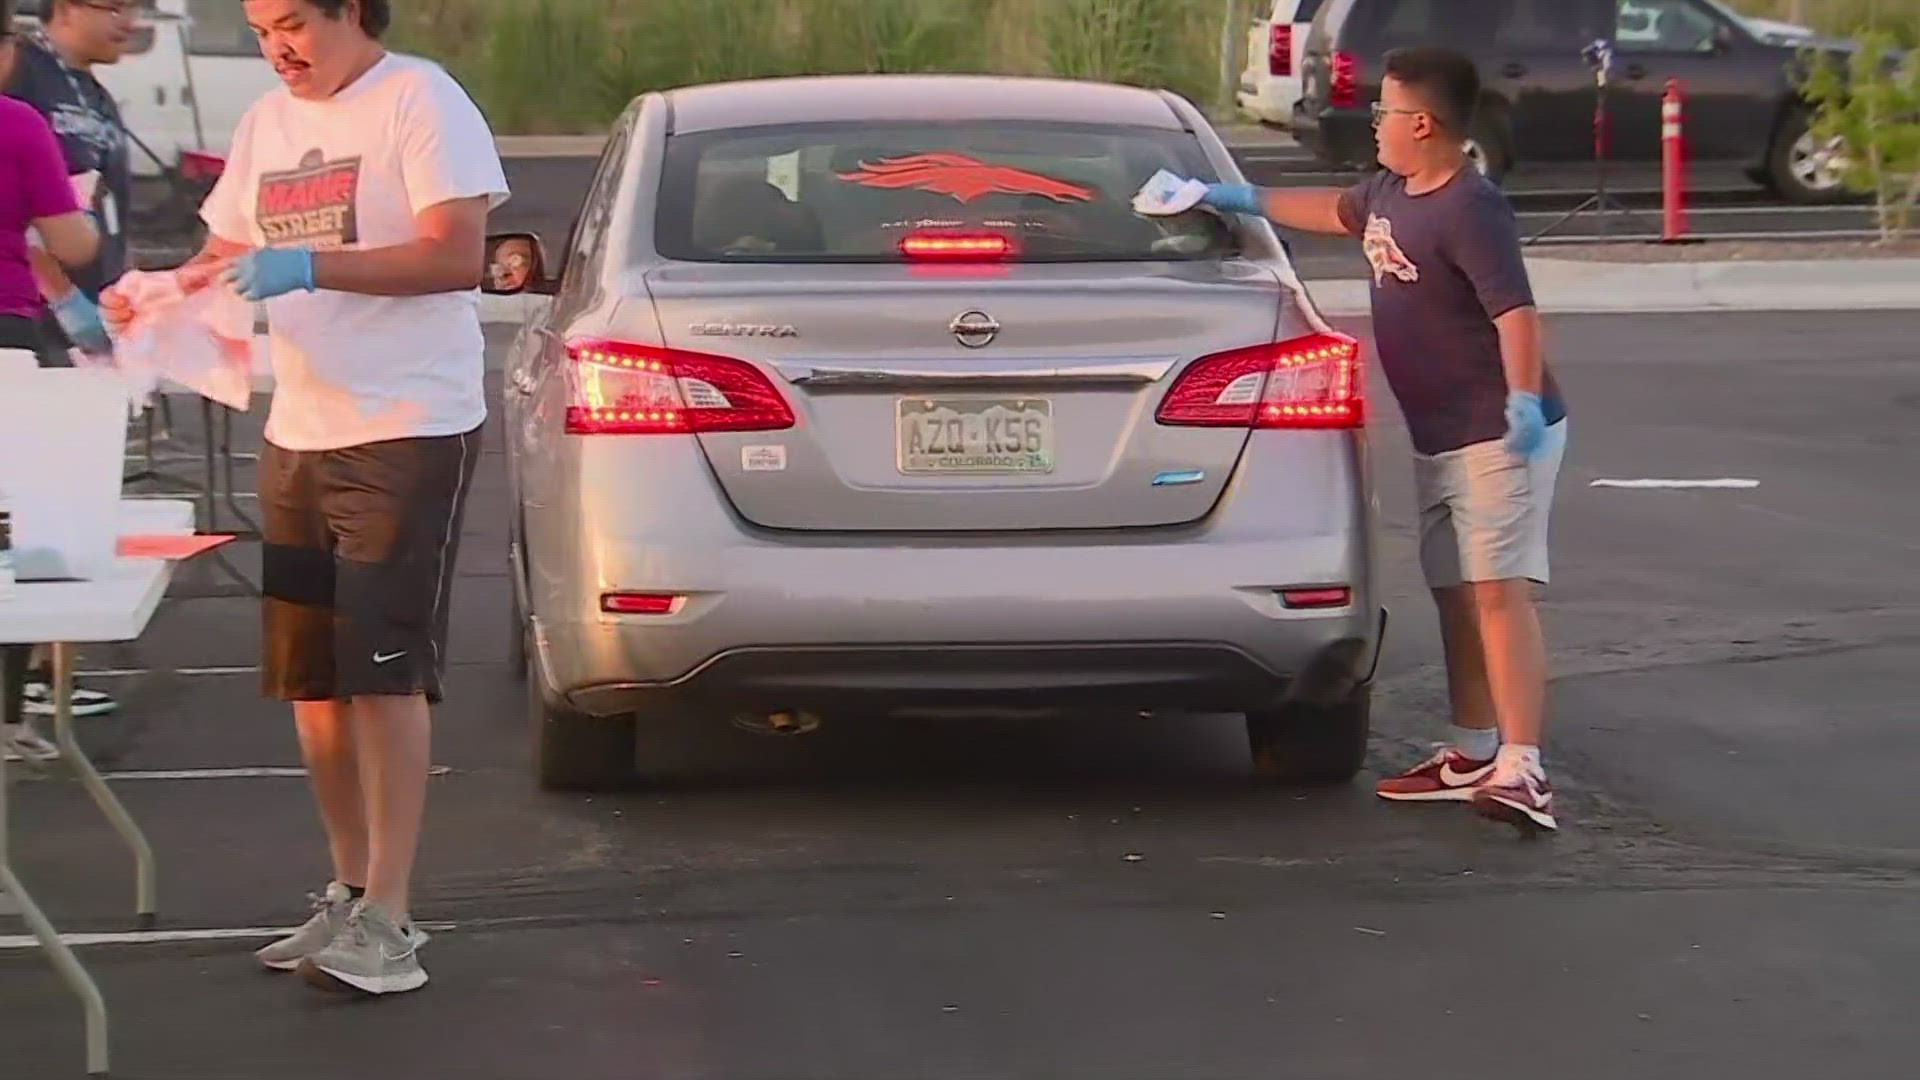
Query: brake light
956	246
1309	382
1280	49
1333	596
619	388
1343	92
634	603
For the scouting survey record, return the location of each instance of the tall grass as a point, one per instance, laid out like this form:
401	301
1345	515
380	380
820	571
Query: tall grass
541	66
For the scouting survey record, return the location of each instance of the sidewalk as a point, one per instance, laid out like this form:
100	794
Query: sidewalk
1566	286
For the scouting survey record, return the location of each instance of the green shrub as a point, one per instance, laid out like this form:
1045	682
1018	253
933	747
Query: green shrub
1873	109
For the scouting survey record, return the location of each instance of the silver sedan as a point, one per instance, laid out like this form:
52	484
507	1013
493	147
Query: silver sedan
875	394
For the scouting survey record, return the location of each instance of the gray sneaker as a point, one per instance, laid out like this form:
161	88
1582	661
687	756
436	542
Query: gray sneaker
330	910
371	954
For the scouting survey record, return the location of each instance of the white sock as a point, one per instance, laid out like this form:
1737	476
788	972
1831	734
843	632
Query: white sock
1517	758
1478	744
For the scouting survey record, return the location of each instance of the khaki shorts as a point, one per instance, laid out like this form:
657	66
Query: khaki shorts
1484	510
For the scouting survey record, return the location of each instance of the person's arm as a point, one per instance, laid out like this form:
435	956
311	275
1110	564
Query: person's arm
1484	242
450	255
1328	211
1522	356
71	239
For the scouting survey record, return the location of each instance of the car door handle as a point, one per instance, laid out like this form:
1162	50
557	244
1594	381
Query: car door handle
943	373
521	382
1514	70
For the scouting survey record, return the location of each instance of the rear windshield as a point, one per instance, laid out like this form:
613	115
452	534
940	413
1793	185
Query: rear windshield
849	193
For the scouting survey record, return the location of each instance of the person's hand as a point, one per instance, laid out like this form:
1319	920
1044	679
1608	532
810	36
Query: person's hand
1233	198
1526	424
264	273
80	319
116	311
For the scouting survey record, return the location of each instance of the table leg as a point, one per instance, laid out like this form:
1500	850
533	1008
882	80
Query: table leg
103	797
68	965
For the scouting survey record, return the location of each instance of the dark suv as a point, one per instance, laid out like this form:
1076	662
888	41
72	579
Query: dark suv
1741	105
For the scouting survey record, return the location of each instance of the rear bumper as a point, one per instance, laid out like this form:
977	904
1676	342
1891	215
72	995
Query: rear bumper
1182	618
977	679
1336	136
1269	99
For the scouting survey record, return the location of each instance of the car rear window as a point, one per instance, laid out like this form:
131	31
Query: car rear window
852	192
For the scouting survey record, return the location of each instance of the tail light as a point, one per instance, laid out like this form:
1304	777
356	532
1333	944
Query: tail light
1343	91
619	388
1280	49
957	246
641	603
1310	382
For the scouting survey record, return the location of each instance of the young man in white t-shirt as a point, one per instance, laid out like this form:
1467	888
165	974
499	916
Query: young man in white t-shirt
354	204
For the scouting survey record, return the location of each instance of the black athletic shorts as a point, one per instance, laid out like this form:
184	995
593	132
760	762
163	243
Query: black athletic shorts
357	566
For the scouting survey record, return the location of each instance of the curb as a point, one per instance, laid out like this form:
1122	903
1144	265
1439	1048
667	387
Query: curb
1565	287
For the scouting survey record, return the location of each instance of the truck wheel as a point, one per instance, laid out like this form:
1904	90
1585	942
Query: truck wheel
1489	146
575	752
1312	743
517	644
1802	169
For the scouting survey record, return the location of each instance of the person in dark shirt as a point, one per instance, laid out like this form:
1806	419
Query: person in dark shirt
1460	342
54	74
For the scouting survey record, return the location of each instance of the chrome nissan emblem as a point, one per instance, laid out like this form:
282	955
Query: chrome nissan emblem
974	329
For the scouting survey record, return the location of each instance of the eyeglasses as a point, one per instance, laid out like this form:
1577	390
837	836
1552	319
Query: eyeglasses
1380	112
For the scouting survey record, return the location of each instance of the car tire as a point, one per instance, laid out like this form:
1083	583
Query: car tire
1489	146
1793	171
575	752
1303	743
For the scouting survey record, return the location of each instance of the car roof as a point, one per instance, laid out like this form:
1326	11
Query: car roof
817	98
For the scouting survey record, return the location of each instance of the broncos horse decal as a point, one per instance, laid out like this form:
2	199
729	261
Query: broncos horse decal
962	177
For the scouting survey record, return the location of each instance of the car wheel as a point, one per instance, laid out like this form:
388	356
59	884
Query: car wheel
1304	743
1802	168
1487	146
573	751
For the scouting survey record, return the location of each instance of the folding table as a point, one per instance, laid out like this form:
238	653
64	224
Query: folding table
114	607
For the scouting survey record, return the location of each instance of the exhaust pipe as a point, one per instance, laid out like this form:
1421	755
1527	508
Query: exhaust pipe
782	723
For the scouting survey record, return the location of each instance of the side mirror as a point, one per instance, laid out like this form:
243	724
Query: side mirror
517	263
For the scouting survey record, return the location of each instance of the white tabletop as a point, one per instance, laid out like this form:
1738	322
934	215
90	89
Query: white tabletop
115	606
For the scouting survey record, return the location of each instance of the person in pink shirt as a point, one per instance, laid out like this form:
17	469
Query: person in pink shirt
35	195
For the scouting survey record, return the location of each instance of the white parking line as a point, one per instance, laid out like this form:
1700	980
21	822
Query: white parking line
167	937
1723	482
249	773
134	672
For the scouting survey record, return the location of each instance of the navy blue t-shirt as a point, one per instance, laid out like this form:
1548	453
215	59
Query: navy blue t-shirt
1444	266
92	138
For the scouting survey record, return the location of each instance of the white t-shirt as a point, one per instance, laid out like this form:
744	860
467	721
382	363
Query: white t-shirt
351	172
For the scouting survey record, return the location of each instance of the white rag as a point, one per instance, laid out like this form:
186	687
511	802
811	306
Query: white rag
201	340
1166	194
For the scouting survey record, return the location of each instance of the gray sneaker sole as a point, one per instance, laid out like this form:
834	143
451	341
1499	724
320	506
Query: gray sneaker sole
344	982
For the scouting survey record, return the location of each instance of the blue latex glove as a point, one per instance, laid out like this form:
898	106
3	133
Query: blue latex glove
264	273
1526	424
1234	198
79	317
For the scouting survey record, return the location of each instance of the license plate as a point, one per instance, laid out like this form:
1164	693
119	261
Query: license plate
974	435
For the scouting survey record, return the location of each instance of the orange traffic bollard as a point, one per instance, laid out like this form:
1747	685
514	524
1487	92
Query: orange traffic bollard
1673	145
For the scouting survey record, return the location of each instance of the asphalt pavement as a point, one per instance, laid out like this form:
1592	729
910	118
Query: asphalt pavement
1734	893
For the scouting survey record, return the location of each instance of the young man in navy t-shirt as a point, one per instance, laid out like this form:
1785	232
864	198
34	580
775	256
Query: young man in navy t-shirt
1459	339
